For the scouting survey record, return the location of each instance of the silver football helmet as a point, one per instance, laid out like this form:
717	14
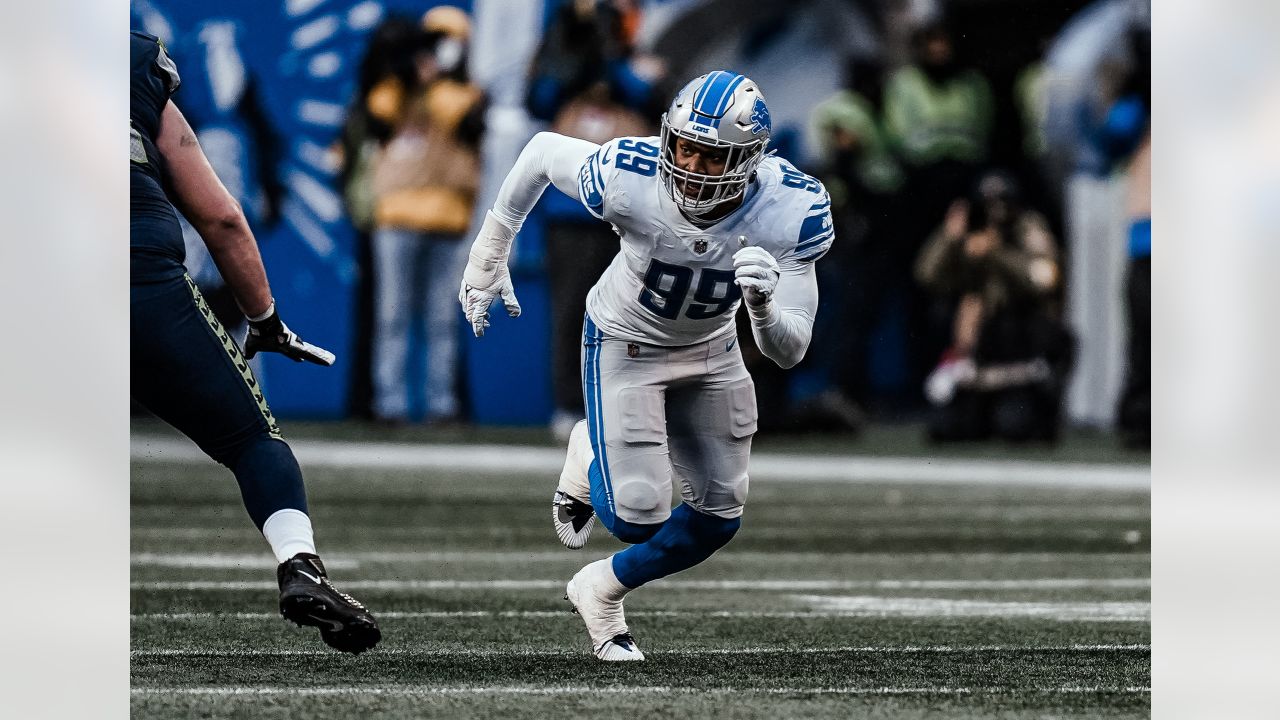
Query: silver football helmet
720	109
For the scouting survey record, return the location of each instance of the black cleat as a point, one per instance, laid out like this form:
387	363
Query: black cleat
308	598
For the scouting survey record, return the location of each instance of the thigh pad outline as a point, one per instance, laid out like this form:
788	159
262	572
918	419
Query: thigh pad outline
742	408
643	418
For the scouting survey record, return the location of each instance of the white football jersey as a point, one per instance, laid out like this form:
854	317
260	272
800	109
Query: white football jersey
672	282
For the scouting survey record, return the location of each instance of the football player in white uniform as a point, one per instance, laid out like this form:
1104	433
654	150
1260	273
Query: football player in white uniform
706	219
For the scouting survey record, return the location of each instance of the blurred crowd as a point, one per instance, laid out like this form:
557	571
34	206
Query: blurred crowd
411	173
968	286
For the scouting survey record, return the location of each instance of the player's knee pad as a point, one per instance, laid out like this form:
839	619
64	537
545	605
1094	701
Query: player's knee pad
637	500
640	507
637	511
639	472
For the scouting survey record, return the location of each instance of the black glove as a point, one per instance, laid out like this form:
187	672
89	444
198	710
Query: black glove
271	335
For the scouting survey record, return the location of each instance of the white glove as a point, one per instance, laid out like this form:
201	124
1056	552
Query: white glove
486	276
756	272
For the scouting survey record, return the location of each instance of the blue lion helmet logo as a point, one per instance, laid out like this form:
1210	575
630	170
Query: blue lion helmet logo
760	118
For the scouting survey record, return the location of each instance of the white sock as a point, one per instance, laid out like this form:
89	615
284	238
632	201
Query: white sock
289	532
609	587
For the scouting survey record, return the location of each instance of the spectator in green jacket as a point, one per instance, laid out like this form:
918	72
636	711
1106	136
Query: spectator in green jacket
938	117
936	110
853	144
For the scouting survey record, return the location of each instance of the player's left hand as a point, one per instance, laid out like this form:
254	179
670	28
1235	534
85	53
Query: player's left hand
271	335
756	272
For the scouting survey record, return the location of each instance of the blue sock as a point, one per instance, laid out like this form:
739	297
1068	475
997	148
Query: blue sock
687	538
269	478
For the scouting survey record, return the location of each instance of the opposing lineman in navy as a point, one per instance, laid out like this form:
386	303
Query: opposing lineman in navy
187	369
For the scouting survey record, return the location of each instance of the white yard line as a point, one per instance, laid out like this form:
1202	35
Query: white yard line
871	606
355	559
257	561
1130	612
227	561
774	585
427	691
782	535
500	652
774	467
823	606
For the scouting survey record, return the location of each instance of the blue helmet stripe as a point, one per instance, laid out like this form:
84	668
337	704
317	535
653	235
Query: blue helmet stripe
703	91
718	87
727	98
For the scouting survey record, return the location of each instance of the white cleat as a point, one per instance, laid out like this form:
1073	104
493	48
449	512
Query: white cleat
571	512
590	593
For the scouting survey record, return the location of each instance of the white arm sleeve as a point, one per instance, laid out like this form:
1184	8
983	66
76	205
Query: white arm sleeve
547	158
783	326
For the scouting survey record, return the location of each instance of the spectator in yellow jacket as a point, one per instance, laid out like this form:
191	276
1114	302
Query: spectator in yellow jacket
424	179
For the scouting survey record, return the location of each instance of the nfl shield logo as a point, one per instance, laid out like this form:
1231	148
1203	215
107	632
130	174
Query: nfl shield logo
700	245
632	350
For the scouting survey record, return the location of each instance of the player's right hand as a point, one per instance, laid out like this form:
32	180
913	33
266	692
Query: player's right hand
486	276
270	334
476	300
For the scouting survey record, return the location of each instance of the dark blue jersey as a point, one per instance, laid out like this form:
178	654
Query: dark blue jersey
155	238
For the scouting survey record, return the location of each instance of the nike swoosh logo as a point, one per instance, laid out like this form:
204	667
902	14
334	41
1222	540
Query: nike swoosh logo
604	159
732	342
313	577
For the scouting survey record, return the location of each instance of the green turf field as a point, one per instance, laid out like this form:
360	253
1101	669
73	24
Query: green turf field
835	600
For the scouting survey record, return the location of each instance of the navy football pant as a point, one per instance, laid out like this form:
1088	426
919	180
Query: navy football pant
187	370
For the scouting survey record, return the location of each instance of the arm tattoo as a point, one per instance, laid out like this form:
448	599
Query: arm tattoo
188	140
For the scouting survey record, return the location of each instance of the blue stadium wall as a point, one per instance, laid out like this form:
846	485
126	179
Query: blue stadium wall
299	59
